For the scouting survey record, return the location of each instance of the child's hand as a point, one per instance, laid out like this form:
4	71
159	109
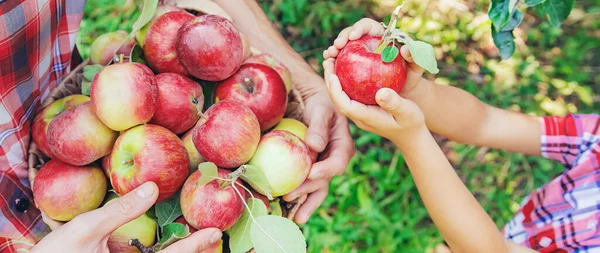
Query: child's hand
368	26
395	118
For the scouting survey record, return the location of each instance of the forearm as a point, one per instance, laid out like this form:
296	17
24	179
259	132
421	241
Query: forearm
462	117
457	214
262	35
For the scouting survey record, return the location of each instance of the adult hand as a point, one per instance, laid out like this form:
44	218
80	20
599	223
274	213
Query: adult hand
327	134
89	232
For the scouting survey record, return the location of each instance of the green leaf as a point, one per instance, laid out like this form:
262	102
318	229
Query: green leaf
172	233
276	208
152	213
499	13
147	13
137	54
277	234
389	53
534	2
239	234
257	179
169	210
557	10
208	171
423	55
505	42
90	71
85	87
515	20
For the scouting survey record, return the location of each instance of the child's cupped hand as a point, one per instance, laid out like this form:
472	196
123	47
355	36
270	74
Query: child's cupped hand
367	26
394	117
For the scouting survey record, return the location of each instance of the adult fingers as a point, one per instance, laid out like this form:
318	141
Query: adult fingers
108	218
196	242
313	202
309	186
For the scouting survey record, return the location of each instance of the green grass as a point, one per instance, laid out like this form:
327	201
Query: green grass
374	206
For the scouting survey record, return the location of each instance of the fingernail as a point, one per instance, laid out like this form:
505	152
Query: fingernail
215	237
385	96
145	191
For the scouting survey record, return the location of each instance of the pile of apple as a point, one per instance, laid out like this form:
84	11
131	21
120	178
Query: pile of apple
147	122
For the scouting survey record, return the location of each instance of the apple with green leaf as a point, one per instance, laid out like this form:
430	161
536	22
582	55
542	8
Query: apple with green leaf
227	135
78	137
284	159
41	121
124	95
260	88
63	191
180	102
142	228
148	153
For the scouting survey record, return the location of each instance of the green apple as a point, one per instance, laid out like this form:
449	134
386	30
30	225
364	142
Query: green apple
294	126
143	228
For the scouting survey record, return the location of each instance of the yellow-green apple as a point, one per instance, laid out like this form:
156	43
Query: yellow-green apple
271	61
216	247
210	205
160	46
149	153
40	123
63	191
161	9
78	137
260	88
209	47
195	156
298	128
143	228
284	159
227	135
124	95
362	72
104	47
180	100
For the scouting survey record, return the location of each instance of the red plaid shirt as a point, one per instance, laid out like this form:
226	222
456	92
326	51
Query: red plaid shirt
37	38
562	216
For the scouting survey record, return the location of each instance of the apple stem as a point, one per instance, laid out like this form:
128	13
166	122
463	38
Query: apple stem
388	31
135	242
248	84
202	115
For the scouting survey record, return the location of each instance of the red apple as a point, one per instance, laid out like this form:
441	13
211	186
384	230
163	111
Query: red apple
195	156
124	95
298	128
209	205
180	99
161	9
148	153
160	46
104	47
63	191
362	72
105	162
269	60
260	88
78	137
284	159
210	47
228	135
40	123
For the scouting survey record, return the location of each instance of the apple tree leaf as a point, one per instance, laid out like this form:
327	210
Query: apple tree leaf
90	71
534	2
499	13
389	53
137	54
208	173
172	233
515	20
557	10
167	211
257	179
423	55
85	87
239	233
505	42
277	234
146	15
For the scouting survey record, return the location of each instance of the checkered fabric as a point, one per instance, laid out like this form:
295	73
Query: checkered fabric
36	43
562	216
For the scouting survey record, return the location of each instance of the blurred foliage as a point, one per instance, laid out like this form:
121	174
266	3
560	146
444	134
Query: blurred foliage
374	206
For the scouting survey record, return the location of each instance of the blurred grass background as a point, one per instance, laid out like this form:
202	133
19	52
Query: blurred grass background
374	206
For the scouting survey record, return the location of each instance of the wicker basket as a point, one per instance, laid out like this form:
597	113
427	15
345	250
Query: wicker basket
71	84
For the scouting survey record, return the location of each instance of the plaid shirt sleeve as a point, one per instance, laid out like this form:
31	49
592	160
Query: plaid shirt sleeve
37	38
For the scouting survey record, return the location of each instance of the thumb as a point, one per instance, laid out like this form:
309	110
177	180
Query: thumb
390	101
126	208
197	242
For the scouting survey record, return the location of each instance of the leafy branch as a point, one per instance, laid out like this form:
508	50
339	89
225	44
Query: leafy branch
505	17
